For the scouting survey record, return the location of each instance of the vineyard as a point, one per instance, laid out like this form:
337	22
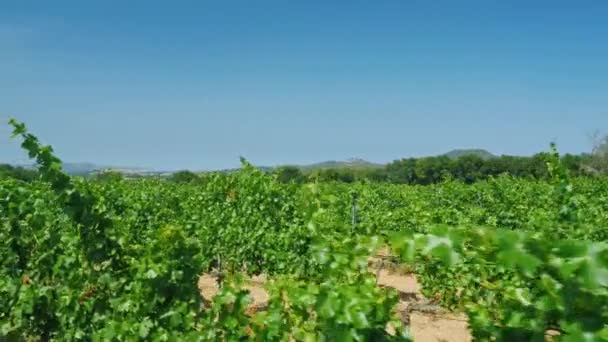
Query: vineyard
119	259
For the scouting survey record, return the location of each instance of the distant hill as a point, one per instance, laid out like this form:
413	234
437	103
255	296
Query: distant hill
76	169
80	168
131	171
483	154
353	163
84	169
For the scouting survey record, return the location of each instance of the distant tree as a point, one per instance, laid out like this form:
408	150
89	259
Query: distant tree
431	170
290	174
496	166
402	171
344	175
468	168
536	166
576	163
108	176
598	162
373	174
183	176
21	173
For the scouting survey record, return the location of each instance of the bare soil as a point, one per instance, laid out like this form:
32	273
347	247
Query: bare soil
209	288
428	322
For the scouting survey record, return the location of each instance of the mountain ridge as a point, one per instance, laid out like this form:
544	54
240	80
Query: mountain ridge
457	153
86	168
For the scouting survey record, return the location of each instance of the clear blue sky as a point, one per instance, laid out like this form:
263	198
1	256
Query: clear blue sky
173	85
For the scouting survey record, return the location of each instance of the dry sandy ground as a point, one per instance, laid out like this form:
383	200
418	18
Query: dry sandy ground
208	287
425	325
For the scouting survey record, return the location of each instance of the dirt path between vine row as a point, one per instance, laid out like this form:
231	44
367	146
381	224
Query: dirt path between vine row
428	323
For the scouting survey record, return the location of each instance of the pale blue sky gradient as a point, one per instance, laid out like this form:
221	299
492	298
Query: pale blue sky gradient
172	85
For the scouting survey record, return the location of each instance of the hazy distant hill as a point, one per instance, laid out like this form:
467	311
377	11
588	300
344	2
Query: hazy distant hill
353	163
455	154
80	168
83	169
71	168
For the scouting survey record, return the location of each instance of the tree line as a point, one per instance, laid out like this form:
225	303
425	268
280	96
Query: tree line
466	168
430	170
17	172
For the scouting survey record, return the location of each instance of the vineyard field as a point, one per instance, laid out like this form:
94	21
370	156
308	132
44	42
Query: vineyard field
122	259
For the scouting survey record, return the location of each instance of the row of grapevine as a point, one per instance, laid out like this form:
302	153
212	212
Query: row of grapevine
119	259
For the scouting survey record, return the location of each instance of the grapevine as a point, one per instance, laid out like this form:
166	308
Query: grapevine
116	259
